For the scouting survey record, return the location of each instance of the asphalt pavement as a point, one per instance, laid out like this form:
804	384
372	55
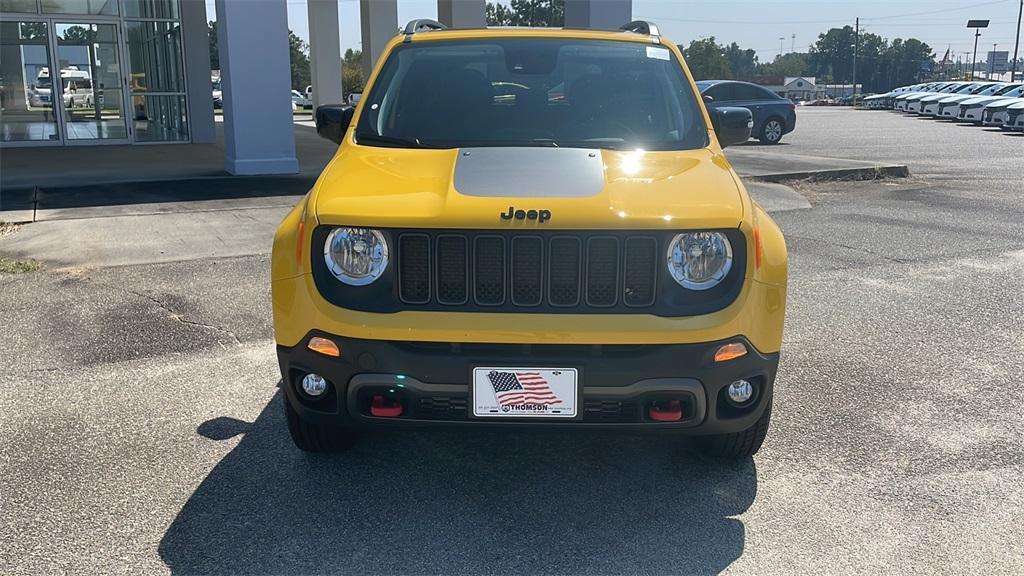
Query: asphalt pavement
142	428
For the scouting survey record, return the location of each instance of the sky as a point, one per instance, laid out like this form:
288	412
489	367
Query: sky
760	24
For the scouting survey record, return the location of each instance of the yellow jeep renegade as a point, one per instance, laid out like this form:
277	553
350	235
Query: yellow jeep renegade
530	228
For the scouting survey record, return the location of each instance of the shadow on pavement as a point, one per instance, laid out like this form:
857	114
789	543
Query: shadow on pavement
451	501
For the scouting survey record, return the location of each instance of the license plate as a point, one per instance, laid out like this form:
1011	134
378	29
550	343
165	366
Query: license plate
504	392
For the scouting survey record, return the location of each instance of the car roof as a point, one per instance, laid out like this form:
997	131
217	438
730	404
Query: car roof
526	32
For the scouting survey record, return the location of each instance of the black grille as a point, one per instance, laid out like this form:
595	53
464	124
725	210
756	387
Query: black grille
564	282
527	270
442	408
610	411
452	269
489	266
414	266
536	271
602	271
640	277
527	275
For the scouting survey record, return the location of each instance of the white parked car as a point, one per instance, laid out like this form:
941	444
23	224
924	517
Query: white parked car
1014	117
910	102
300	101
925	101
887	100
949	106
973	109
995	114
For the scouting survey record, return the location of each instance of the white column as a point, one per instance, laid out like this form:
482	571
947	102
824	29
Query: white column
379	20
462	13
600	14
259	136
324	51
196	45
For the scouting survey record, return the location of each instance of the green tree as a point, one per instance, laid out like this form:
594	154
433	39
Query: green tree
547	13
792	64
706	59
832	55
907	60
352	71
298	52
742	63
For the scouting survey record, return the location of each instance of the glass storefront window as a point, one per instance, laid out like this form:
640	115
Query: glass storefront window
104	7
151	9
91	77
160	118
26	84
117	77
154	53
18	6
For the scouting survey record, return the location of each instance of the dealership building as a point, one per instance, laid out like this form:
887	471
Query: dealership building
137	72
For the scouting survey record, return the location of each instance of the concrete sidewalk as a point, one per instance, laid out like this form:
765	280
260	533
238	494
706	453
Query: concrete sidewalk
774	164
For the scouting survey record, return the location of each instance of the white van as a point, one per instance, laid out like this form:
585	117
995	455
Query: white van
77	89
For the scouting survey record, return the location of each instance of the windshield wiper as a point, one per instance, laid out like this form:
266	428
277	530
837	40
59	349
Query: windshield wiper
393	140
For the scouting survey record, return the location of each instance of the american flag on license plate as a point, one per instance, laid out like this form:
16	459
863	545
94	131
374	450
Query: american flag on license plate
517	388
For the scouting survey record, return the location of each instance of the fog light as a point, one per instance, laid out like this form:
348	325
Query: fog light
741	391
314	385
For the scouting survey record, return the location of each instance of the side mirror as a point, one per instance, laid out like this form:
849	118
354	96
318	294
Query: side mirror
707	98
732	125
332	120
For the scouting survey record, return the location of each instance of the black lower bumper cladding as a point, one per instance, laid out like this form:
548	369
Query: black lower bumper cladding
621	386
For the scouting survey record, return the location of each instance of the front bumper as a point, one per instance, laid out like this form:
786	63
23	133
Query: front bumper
618	383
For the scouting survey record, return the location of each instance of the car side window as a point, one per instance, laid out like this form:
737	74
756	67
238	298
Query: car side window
748	92
723	92
767	94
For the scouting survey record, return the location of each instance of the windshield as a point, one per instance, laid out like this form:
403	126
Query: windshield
532	92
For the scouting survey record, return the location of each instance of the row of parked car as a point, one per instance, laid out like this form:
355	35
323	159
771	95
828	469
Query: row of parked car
986	103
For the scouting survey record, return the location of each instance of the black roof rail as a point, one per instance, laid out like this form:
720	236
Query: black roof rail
423	25
641	27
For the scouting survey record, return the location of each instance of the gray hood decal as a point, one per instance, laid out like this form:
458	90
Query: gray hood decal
529	172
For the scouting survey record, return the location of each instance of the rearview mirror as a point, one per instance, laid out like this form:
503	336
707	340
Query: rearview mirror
732	125
332	120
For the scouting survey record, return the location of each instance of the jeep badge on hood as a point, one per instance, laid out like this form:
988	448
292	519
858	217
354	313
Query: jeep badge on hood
541	216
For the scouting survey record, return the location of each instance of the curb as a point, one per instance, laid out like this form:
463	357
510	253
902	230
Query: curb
835	175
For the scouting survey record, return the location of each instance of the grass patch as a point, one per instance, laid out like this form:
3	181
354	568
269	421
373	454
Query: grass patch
8	266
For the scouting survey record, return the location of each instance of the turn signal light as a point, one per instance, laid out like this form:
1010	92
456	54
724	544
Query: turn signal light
730	351
323	346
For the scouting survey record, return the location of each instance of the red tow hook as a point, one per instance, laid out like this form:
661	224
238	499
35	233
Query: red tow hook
382	408
670	411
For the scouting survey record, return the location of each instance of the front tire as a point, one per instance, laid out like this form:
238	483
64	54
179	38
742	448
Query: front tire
312	437
738	445
771	131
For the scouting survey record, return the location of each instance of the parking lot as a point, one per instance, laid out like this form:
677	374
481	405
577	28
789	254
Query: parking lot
143	430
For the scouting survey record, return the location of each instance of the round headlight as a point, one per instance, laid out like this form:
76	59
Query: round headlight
699	260
356	256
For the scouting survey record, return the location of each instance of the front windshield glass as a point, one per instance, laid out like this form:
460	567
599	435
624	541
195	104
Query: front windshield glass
532	92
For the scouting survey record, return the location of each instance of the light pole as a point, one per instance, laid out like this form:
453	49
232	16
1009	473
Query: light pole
856	45
992	64
977	25
781	47
1013	72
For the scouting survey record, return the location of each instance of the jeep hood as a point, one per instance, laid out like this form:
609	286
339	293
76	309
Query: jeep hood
581	188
